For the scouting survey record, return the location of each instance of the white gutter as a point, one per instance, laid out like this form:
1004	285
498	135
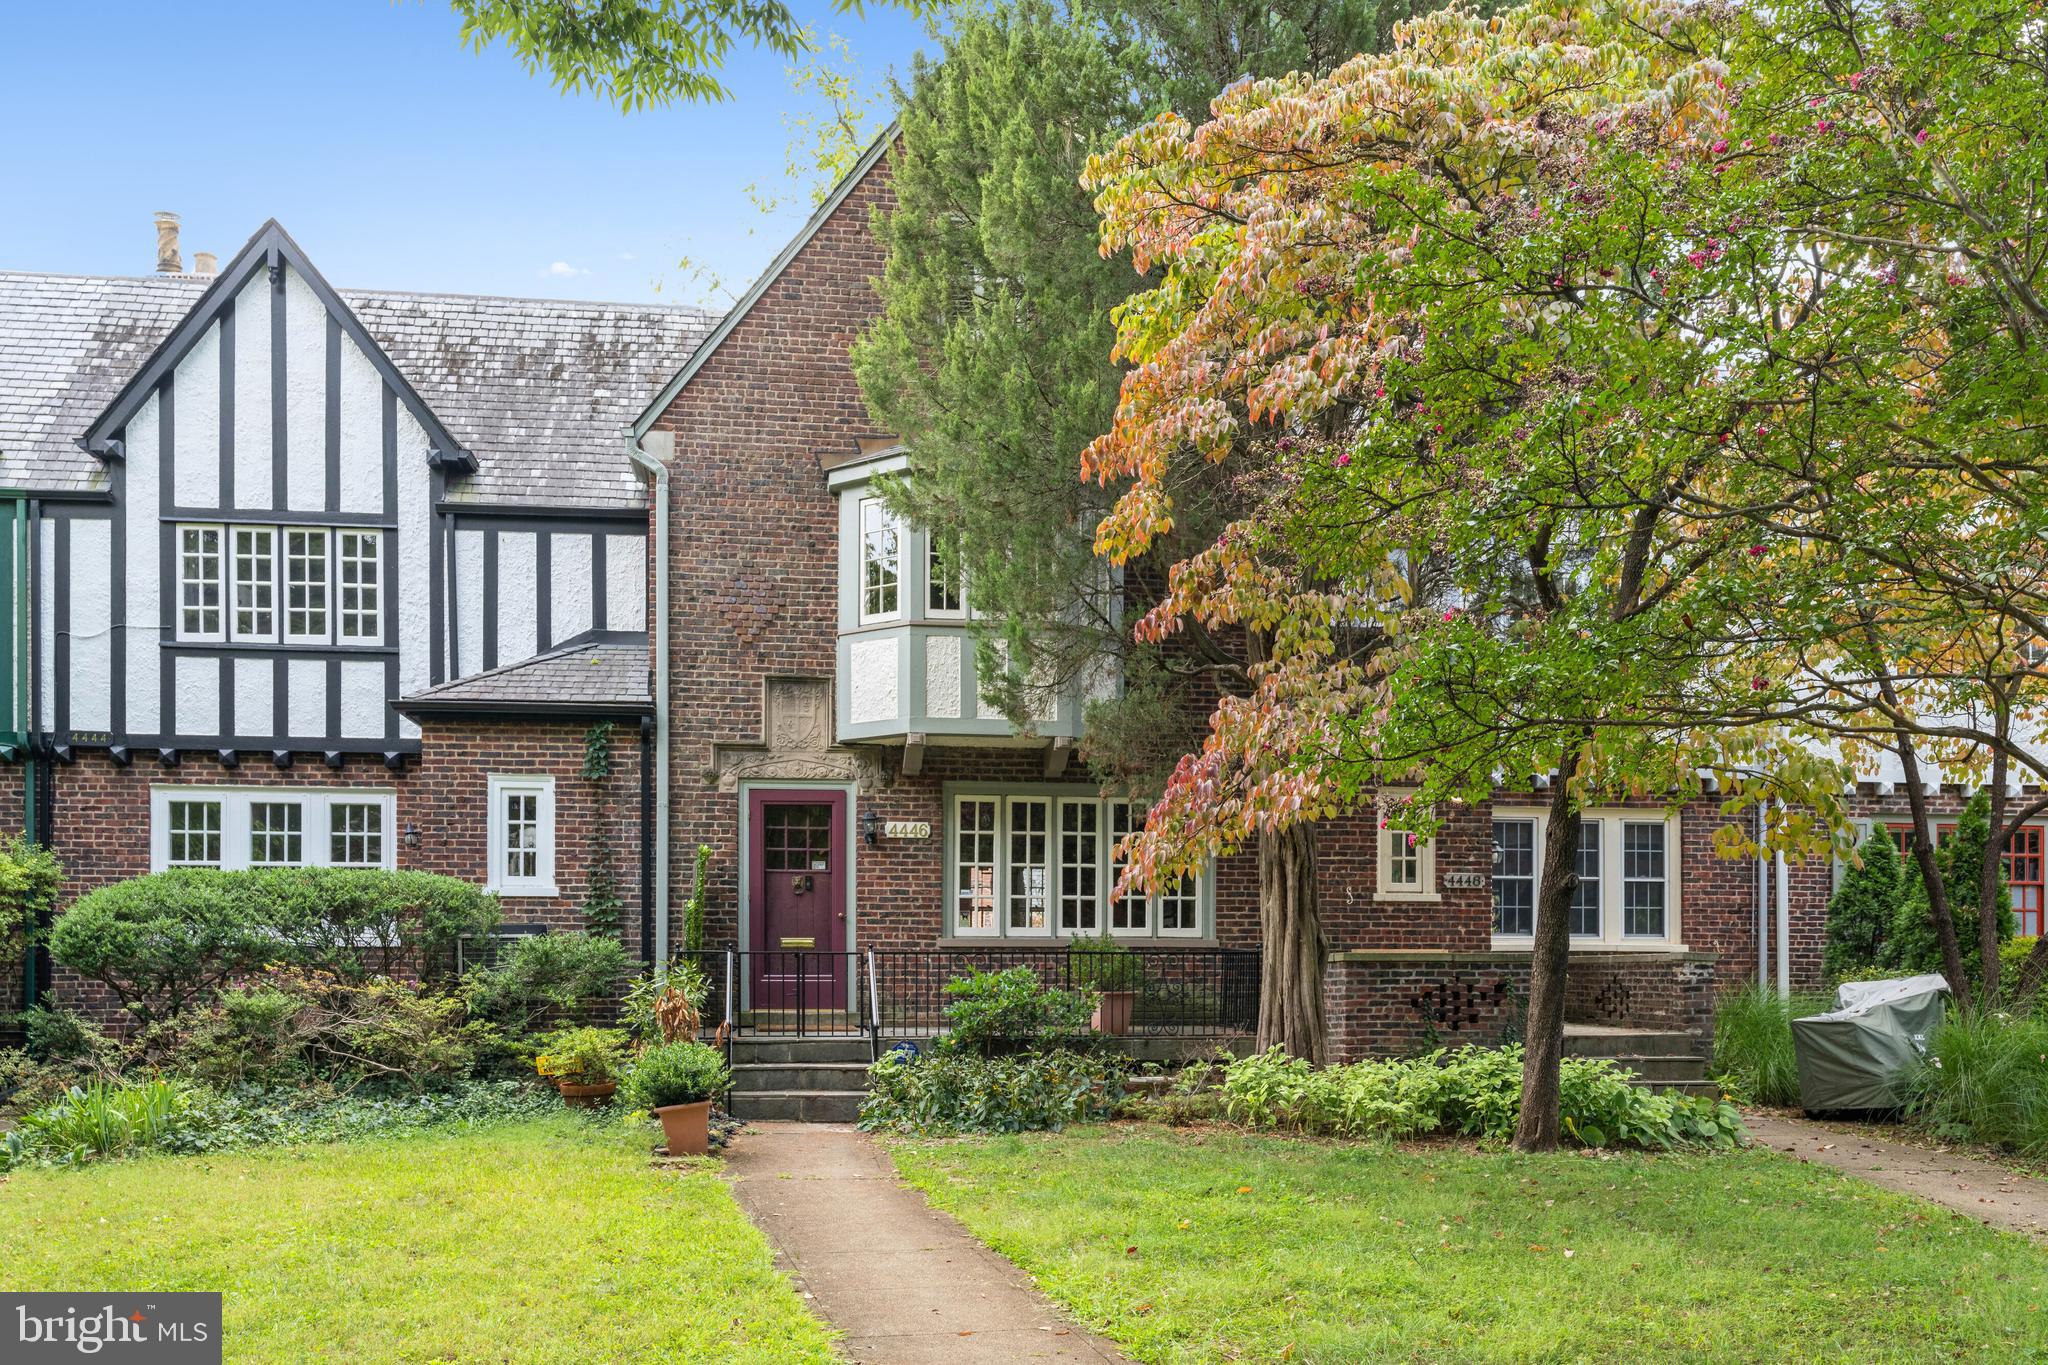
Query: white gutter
656	465
1784	928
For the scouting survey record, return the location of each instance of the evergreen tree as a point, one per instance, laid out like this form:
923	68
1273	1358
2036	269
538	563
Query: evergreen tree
1914	946
1860	913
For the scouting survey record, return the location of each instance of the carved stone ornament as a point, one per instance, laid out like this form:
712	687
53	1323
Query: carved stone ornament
796	718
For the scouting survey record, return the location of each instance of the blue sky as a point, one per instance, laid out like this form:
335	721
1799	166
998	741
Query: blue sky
398	158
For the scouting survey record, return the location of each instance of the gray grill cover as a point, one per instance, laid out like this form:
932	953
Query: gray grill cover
1852	1057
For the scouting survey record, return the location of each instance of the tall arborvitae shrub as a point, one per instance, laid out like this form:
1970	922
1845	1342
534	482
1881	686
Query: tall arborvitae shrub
1959	856
1860	915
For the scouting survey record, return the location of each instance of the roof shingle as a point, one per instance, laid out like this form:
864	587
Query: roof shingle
607	674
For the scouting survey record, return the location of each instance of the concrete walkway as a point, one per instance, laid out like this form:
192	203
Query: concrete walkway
1982	1190
905	1283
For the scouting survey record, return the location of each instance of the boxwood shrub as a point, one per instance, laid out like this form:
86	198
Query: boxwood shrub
958	1092
162	941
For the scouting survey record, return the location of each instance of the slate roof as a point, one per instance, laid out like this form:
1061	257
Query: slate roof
541	391
607	675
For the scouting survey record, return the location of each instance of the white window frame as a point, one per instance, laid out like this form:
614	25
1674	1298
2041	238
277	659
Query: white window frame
219	556
1393	849
542	883
1017	896
892	522
1110	821
932	580
236	808
959	893
382	834
1086	872
370	569
324	561
1612	820
266	584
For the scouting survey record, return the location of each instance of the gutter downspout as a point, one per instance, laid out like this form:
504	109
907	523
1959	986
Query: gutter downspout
647	823
1784	924
1763	903
655	463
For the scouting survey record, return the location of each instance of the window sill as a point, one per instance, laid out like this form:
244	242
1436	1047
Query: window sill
1409	897
511	893
1524	943
1048	941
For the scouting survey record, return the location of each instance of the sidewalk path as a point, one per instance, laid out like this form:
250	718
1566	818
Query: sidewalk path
1989	1193
905	1283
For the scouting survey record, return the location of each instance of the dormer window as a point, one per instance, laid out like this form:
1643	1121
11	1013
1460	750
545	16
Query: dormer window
279	585
881	561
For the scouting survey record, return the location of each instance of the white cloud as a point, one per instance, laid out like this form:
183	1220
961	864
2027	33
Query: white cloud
562	270
627	256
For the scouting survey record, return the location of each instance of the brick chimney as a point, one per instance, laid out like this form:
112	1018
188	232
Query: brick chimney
205	263
168	262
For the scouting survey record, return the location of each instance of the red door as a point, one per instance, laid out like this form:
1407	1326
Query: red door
797	858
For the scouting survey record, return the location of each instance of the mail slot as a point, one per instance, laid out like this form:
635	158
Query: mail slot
800	942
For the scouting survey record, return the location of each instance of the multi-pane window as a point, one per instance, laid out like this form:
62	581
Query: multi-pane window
1514	876
797	838
1030	864
1404	860
881	560
522	834
356	834
255	583
199	606
194	833
1080	866
942	589
300	584
305	584
1131	913
1586	895
1642	880
361	575
974	878
276	833
2023	871
235	827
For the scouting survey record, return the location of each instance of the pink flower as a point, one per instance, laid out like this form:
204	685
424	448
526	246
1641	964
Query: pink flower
1755	551
1921	137
1757	684
1722	438
1451	615
1823	125
1720	148
1343	459
1815	102
1856	80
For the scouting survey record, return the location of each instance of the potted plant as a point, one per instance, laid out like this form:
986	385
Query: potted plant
584	1063
1113	972
678	1081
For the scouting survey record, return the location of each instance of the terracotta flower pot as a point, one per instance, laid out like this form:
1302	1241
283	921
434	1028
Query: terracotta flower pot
687	1126
1113	1011
586	1096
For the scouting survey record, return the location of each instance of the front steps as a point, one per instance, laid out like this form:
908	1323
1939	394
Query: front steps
809	1080
1661	1060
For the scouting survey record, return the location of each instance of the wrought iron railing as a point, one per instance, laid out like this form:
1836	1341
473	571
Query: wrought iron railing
887	993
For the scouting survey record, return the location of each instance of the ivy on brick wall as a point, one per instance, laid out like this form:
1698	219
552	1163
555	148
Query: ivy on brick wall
603	907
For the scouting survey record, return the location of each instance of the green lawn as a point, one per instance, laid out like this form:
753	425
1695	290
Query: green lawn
545	1241
1208	1245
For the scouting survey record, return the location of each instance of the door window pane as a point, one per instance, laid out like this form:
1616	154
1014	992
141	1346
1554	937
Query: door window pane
797	838
1514	876
1642	880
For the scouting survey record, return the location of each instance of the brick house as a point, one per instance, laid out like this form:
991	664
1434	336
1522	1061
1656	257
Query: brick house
558	515
327	577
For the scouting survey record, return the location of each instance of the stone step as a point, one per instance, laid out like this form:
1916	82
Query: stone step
1582	1040
755	1077
1684	1067
800	1106
803	1051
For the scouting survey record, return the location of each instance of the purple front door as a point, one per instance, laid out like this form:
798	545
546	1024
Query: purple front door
797	863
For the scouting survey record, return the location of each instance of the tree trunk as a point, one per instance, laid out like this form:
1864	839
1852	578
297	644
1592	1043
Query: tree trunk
1291	926
1989	875
1538	1127
1937	889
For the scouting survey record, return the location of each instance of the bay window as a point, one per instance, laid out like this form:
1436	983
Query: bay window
276	584
881	561
1054	858
238	827
1627	892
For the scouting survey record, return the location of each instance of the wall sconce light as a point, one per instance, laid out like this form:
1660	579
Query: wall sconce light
412	836
870	828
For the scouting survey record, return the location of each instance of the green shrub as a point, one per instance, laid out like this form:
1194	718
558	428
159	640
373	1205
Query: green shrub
582	1056
995	1013
55	1034
1861	910
2012	963
100	1118
1474	1092
30	877
1913	946
1753	1058
545	976
637	1010
676	1073
1101	963
1985	1079
955	1092
247	1116
167	940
